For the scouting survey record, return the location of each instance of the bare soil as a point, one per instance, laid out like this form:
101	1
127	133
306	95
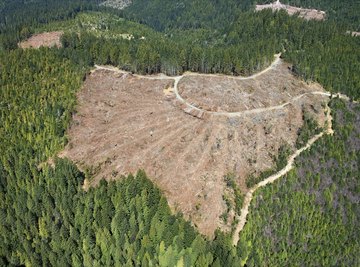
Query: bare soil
46	39
355	34
118	4
126	122
275	87
305	13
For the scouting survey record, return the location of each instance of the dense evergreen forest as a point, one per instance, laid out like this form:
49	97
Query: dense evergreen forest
187	14
310	217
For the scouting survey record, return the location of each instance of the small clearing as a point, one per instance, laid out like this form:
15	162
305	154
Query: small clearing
117	4
188	132
305	13
46	39
355	34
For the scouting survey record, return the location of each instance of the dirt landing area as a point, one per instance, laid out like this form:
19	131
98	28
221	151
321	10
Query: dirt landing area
126	122
307	14
355	34
47	39
118	4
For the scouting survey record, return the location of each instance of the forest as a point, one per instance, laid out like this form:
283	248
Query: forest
309	217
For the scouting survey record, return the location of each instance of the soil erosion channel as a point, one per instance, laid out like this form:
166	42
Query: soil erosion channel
189	131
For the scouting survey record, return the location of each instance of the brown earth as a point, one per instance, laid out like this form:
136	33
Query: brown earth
126	122
222	93
47	39
118	4
305	13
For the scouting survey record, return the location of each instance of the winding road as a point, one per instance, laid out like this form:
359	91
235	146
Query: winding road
290	165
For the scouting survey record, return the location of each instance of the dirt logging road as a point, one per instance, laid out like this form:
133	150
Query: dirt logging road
290	165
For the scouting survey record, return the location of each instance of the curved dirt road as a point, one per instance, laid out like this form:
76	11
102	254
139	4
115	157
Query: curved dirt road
290	164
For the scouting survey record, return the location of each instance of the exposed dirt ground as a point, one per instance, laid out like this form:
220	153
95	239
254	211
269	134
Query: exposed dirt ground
307	14
355	34
47	39
118	4
125	122
223	93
